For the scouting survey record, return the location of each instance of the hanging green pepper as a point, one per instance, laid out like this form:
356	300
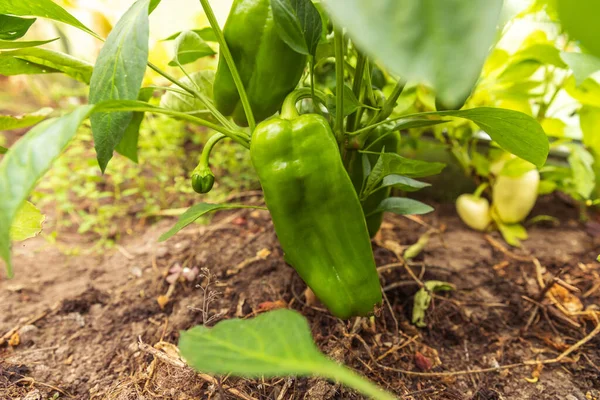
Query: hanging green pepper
203	178
315	210
381	139
268	67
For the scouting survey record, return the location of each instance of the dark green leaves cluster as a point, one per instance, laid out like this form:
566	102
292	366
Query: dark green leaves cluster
299	24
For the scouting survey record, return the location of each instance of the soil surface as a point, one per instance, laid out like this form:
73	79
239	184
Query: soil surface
95	326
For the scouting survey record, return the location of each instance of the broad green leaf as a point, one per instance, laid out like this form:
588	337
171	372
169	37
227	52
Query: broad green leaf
514	131
583	65
27	223
422	300
190	47
584	178
580	19
441	43
394	164
518	72
402	206
9	122
299	24
276	343
9	44
185	102
195	212
128	146
12	28
589	119
42	8
403	183
51	61
26	162
207	34
3	150
118	75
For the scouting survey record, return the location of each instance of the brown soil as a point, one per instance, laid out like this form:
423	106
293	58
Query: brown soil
90	312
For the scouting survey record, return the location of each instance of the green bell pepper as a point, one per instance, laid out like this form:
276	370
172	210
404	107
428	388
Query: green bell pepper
268	67
315	209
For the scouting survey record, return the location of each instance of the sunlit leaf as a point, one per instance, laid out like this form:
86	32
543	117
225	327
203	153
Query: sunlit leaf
8	122
580	19
36	60
9	44
190	47
27	223
26	162
583	65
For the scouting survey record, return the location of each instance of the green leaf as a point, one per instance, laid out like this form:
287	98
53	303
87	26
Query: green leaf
276	343
351	103
394	164
512	233
442	43
582	166
26	162
299	24
8	44
10	66
207	34
118	75
588	93
403	183
195	212
42	8
128	146
402	206
9	122
580	20
12	28
514	131
3	150
589	120
543	53
183	101
190	47
27	223
422	300
583	65
46	61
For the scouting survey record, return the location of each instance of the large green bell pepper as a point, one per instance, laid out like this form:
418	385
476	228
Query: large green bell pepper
268	67
316	212
381	138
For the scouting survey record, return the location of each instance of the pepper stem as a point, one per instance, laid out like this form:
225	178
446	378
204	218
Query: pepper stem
203	164
479	191
289	110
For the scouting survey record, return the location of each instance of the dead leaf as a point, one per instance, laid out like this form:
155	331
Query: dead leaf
271	305
14	340
569	301
422	362
162	301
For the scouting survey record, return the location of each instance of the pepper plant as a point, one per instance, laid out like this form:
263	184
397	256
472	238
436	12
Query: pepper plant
333	71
